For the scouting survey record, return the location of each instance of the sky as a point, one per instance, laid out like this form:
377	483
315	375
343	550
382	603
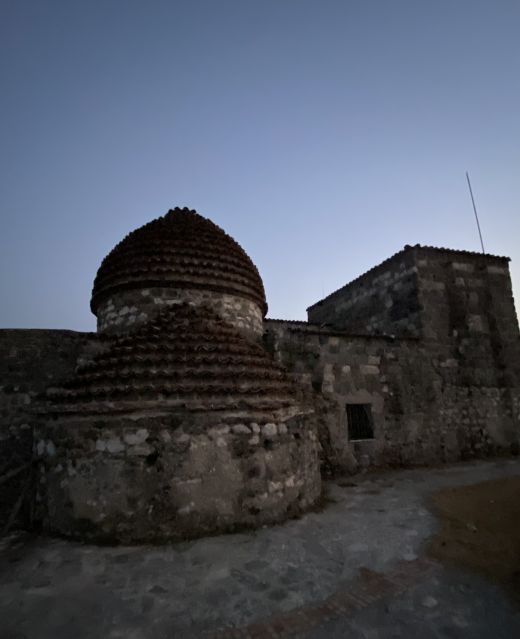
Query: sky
323	135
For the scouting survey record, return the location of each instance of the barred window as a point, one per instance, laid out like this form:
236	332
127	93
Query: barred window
360	424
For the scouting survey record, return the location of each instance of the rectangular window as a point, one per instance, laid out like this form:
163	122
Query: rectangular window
359	418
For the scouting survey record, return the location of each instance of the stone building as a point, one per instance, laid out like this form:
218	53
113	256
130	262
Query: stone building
188	412
418	361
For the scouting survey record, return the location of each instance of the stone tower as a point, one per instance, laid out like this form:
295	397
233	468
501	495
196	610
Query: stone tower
181	424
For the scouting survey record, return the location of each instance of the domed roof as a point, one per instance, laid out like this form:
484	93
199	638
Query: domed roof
186	357
182	249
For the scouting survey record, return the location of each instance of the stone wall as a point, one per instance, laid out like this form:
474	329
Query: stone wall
382	301
424	412
467	302
451	394
128	309
30	360
149	479
446	388
470	323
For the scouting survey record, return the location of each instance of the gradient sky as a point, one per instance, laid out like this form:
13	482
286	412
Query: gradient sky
322	135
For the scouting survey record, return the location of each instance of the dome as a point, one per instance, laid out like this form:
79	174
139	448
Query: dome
180	423
181	250
185	358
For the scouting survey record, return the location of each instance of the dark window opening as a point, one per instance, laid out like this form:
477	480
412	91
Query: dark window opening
359	418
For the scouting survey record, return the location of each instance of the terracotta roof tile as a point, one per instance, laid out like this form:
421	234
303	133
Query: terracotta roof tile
186	353
182	249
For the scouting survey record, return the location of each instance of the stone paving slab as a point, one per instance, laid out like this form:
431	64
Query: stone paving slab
361	593
357	569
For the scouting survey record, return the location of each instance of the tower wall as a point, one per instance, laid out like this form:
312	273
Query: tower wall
467	303
382	301
155	478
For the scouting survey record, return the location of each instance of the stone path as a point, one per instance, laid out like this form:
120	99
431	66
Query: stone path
356	569
361	593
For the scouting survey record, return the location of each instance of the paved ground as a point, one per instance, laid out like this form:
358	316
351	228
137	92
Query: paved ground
357	569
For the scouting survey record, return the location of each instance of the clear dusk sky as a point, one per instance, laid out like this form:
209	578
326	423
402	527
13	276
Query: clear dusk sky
322	135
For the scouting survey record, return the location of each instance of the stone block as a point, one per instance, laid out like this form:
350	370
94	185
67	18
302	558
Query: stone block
269	430
369	369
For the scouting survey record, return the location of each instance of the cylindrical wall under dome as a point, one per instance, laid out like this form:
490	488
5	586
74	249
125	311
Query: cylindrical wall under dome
180	428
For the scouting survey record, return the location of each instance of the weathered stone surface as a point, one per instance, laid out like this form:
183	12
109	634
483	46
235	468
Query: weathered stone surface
126	310
30	360
450	392
174	423
384	300
151	440
121	491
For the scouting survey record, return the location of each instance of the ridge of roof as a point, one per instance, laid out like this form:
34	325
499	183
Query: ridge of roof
407	248
286	321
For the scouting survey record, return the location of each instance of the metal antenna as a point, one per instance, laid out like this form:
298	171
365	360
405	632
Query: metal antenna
475	211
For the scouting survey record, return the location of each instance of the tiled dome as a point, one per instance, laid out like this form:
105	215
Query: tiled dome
180	250
185	357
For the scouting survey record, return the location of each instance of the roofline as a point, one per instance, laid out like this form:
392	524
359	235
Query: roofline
310	328
406	249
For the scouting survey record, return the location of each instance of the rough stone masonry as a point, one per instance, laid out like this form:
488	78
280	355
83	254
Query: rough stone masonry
189	413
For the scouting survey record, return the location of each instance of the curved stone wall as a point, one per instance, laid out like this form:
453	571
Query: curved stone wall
160	478
126	310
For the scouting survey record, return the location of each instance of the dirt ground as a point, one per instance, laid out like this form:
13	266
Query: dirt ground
481	529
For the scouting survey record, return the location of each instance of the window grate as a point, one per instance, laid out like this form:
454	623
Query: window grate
359	418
